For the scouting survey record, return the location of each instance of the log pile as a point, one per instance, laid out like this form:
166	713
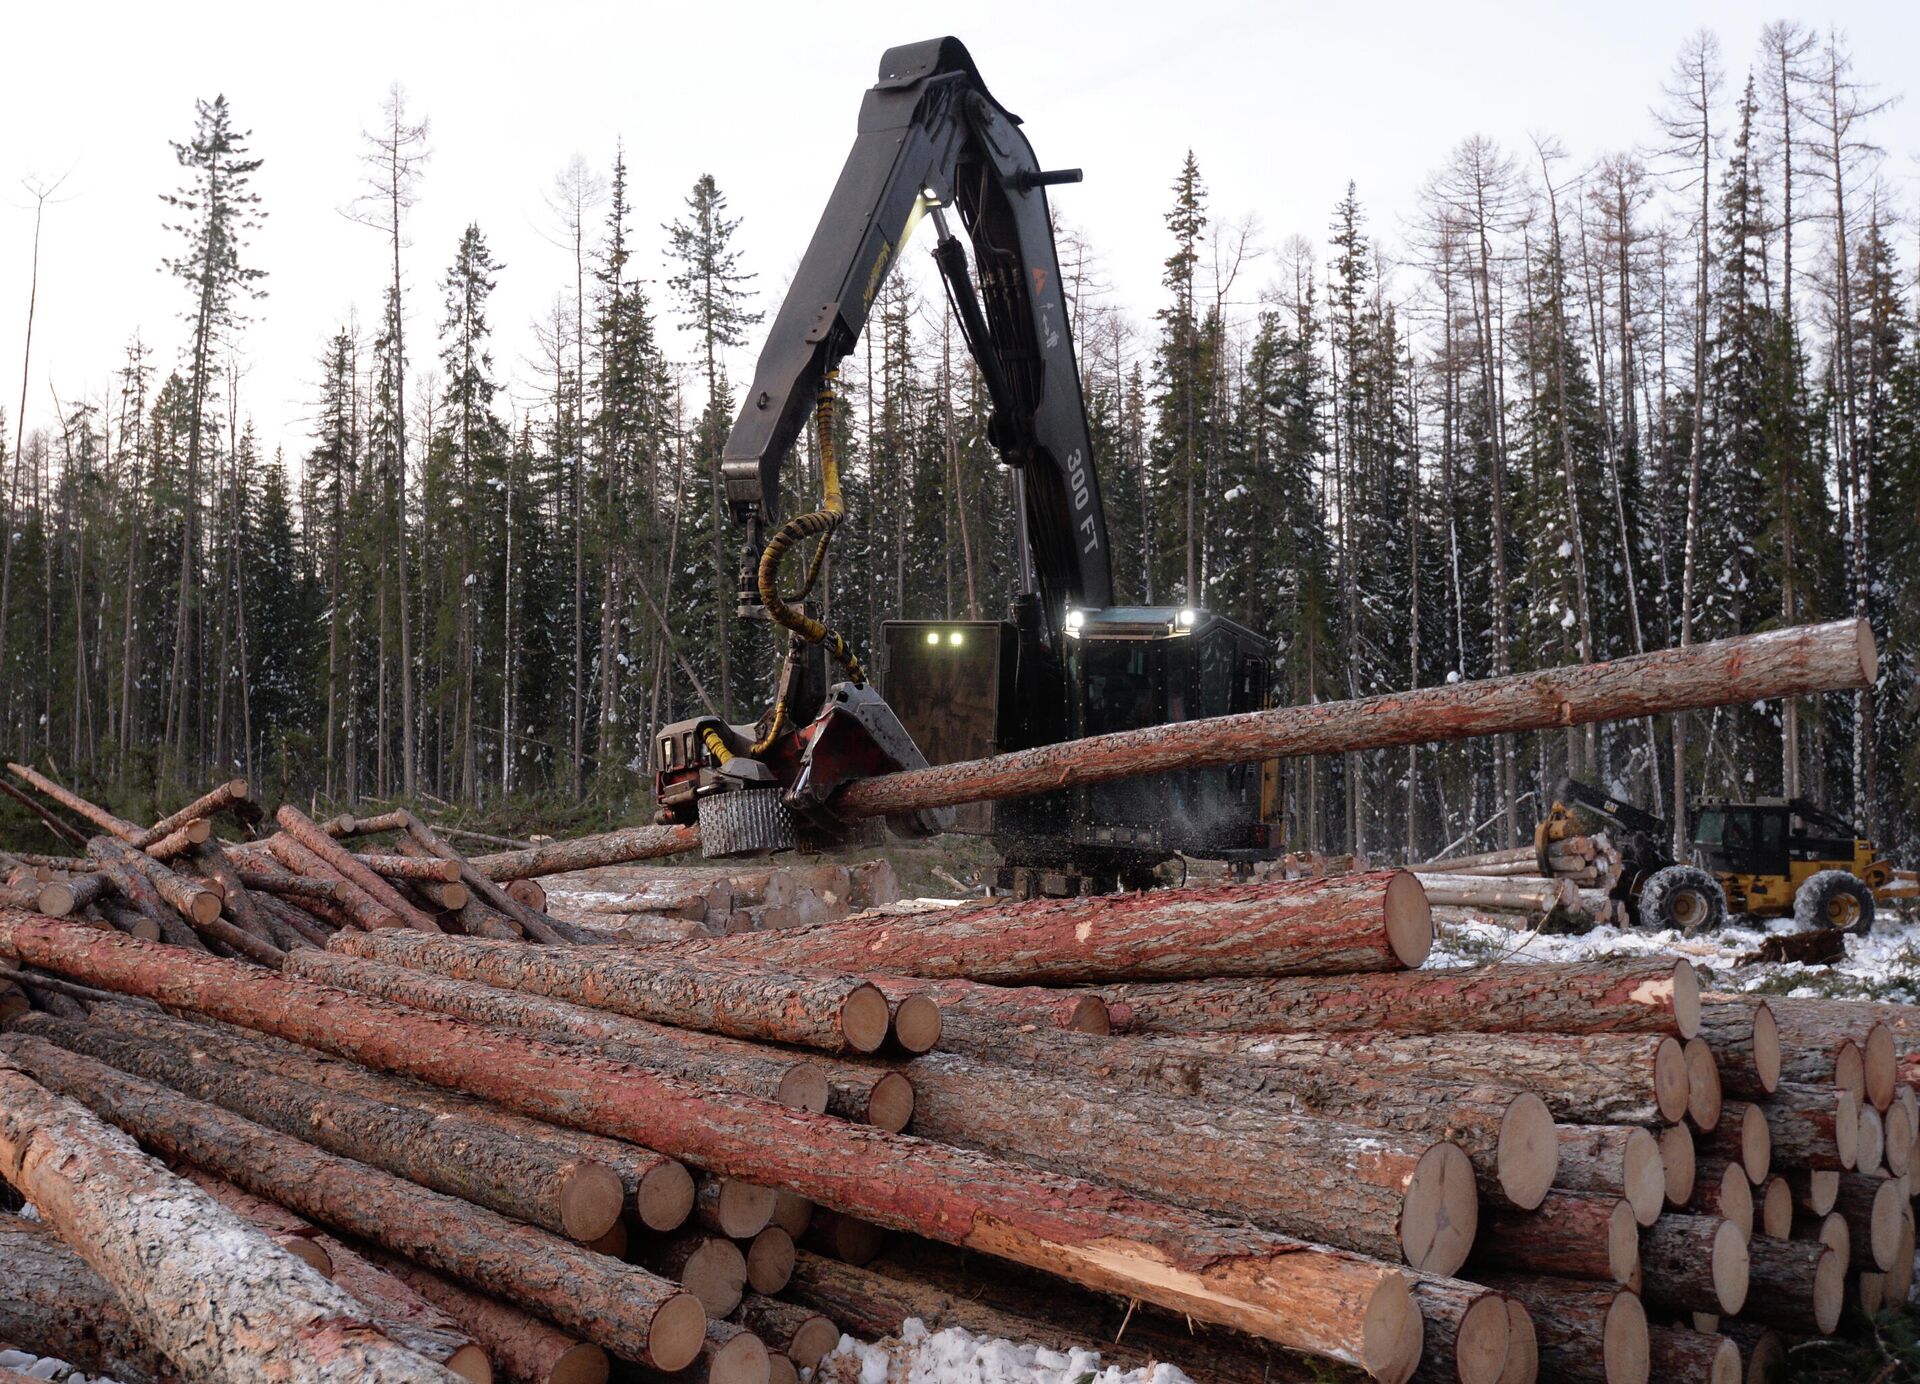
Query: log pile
1564	880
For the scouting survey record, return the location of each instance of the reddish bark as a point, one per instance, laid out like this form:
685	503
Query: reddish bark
535	923
303	829
622	1308
1374	922
362	909
119	827
1781	663
222	799
1635	996
1569	1236
966	1001
1313	1299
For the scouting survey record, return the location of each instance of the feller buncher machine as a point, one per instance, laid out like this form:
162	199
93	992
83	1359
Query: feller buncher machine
1067	662
1769	858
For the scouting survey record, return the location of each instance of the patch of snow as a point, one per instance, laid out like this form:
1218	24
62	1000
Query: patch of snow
955	1356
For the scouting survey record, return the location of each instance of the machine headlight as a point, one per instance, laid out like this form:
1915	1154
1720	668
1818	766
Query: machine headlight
1075	619
1186	618
956	639
933	636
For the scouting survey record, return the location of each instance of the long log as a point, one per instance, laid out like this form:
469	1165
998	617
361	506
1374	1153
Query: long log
299	1237
1298	1295
548	1185
1602	1078
62	830
1515	895
118	827
180	840
789	1079
1614	1161
1372	922
361	907
659	1190
832	1013
56	1306
1569	1236
1660	995
999	1006
1368	1190
1783	663
411	867
210	859
523	1349
227	796
624	1309
1797	1285
217	1299
1588	1333
1506	1132
587	852
303	829
257	874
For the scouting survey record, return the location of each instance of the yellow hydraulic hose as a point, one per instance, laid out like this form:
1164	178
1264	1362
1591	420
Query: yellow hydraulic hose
716	746
821	522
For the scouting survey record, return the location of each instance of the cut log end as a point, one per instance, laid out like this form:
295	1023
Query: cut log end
1888	1219
1409	919
1392	1334
1734	1198
1846	1125
781	1370
1756	1144
742	1359
1898	1127
1731	1268
1774	1213
916	1024
1441	1212
1624	1345
581	1363
1880	1062
1703	1086
865	1019
613	1243
1523	1346
1676	1160
738	1210
1481	1341
1644	1176
803	1086
590	1201
1090	1015
205	907
1623	1243
312	1255
1829	1292
890	1106
664	1199
1850	1070
1528	1154
1686	999
1823	1190
770	1260
1766	1047
792	1212
470	1363
716	1274
1670	1090
1870	1144
809	1345
679	1326
55	900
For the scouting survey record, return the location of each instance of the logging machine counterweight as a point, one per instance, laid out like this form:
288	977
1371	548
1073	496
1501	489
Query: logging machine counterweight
932	144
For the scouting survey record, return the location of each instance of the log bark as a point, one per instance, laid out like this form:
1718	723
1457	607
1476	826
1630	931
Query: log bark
1000	1006
728	1063
588	852
295	919
118	827
197	904
1678	1355
1602	1079
1745	1039
304	830
1694	1264
1813	1127
133	885
361	907
1515	895
255	874
1657	996
1782	663
219	1301
1796	1285
1614	1161
1569	1236
831	1013
658	1189
412	867
222	799
1507	1133
1588	1333
624	1309
1368	1190
409	1318
298	1237
212	861
548	1185
56	1306
1322	1301
523	1349
1375	922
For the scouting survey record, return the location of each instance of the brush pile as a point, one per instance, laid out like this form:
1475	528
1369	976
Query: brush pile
1237	1120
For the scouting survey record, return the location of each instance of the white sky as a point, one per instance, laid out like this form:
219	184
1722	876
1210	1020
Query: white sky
1283	103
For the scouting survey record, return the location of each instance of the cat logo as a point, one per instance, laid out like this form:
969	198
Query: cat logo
1039	282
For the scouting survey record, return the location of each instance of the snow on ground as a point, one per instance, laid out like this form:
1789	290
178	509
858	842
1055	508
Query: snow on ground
954	1356
37	1367
1884	965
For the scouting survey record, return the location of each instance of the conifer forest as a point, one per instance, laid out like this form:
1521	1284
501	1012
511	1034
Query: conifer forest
1586	403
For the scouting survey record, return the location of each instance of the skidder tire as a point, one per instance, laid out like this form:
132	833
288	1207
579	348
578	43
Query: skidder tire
1834	899
1684	898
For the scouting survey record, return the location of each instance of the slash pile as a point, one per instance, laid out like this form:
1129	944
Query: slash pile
428	1130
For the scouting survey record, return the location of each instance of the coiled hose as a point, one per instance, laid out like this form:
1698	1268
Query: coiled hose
822	523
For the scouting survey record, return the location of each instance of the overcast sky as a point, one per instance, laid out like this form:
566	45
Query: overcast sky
1283	103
